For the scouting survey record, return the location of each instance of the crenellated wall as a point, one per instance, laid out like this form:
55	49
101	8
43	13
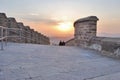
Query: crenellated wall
19	33
3	20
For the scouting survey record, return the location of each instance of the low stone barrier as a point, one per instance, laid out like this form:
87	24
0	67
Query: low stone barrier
108	46
85	36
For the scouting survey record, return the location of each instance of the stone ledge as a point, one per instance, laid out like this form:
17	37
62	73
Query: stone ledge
89	18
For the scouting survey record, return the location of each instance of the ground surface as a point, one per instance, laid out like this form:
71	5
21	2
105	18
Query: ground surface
38	62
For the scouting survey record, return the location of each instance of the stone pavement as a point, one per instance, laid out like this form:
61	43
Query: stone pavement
39	62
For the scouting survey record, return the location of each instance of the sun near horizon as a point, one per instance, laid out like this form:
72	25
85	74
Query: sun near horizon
55	18
65	27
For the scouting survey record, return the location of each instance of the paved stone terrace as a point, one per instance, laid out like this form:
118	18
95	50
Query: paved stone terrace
39	62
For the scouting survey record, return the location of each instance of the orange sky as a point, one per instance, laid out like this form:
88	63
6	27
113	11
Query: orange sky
62	30
54	18
53	29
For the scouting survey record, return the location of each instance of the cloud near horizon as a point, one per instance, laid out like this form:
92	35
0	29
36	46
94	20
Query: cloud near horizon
36	18
45	15
46	25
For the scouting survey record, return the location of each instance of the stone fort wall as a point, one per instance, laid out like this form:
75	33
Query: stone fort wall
85	36
70	42
18	32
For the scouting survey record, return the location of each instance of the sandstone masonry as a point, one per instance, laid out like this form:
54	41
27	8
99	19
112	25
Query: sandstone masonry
85	29
17	32
85	36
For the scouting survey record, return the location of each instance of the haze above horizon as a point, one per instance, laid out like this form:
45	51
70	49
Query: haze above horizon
55	18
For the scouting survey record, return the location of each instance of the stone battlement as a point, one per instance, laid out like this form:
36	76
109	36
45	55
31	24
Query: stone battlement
11	19
2	15
85	36
21	33
89	18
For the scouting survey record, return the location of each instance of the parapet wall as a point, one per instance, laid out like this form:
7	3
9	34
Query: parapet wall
85	36
108	46
70	42
19	33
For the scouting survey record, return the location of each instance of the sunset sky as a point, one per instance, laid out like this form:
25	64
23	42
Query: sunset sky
55	18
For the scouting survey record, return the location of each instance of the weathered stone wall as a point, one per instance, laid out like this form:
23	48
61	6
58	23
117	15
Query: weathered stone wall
108	46
21	33
85	29
70	42
3	20
85	36
27	34
12	23
111	45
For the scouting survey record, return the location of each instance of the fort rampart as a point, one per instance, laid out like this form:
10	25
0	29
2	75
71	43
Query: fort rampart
18	32
85	36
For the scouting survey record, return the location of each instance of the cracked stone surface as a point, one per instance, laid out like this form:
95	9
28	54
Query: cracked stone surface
39	62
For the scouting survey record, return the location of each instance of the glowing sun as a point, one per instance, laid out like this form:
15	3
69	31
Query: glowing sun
66	26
